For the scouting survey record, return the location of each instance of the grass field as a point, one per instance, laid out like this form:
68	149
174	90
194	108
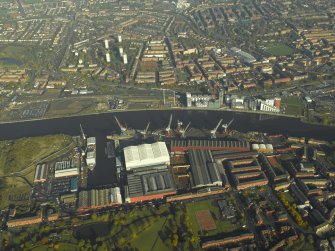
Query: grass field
71	107
26	55
279	50
223	225
293	105
61	247
21	156
149	239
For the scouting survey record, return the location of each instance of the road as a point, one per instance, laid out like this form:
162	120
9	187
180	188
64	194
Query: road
23	14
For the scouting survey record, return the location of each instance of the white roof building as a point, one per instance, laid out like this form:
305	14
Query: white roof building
65	169
146	155
91	141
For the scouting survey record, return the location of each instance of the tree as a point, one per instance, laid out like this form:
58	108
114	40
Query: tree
175	240
195	239
310	239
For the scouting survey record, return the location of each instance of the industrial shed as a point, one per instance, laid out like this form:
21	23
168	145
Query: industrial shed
146	155
183	145
41	173
204	171
149	185
99	198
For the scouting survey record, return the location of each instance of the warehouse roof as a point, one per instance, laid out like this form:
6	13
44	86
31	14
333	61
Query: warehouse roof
99	198
208	144
150	183
41	173
63	165
203	169
146	155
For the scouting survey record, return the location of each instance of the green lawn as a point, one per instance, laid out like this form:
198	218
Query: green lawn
293	105
279	50
149	239
223	225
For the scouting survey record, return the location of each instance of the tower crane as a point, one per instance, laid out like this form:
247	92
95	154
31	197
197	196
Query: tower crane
213	132
183	131
225	126
122	128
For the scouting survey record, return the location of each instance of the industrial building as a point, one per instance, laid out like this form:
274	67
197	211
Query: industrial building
149	185
204	144
146	157
66	168
224	155
41	173
97	198
204	170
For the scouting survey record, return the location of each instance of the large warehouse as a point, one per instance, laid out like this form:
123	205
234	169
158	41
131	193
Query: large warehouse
146	156
97	198
149	185
204	170
183	145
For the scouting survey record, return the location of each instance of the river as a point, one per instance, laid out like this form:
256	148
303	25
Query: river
105	123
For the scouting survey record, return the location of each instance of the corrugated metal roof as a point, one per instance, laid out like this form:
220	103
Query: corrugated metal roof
204	171
140	184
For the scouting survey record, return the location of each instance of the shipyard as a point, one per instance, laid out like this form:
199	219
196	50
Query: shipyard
126	169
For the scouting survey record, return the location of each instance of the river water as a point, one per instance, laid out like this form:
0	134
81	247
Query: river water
105	124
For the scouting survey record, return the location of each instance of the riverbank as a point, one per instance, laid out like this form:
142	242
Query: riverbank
153	109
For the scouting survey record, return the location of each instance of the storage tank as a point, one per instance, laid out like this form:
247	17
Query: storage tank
262	147
255	147
269	146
